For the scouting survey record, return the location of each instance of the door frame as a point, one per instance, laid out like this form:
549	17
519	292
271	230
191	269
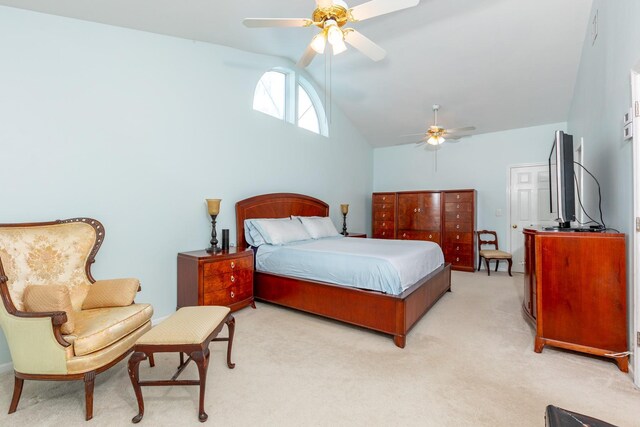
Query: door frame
635	254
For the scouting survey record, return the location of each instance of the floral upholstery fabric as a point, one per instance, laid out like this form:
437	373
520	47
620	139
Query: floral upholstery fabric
44	255
100	327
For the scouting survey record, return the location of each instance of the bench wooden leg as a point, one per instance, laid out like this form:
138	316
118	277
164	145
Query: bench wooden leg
134	376
231	325
202	361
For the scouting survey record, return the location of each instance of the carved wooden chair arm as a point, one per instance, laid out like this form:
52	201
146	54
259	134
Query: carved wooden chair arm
58	318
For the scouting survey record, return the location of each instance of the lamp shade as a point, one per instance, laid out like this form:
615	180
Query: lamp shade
344	208
318	42
213	206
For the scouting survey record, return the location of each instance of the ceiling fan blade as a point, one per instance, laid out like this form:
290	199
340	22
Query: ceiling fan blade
307	57
276	22
412	134
364	45
461	129
322	4
374	8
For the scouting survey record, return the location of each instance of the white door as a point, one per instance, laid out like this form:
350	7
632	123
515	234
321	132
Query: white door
635	299
528	205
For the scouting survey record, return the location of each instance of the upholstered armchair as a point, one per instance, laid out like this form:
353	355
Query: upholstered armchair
59	322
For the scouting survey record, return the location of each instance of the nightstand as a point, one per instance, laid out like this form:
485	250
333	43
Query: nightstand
223	278
361	235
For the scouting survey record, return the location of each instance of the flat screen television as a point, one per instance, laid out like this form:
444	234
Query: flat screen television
562	194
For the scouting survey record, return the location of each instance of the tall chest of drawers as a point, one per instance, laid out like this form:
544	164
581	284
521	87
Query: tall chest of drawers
223	278
459	221
384	215
447	218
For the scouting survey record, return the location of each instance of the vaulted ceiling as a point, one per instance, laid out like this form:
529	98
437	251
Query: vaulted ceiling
493	64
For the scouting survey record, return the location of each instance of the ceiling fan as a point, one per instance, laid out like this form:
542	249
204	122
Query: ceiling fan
331	16
435	135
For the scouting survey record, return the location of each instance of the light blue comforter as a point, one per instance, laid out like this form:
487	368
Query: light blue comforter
388	266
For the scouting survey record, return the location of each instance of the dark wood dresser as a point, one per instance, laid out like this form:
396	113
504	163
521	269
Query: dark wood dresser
447	218
575	292
223	278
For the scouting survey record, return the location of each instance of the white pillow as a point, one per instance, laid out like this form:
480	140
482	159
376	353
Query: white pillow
252	234
281	231
319	226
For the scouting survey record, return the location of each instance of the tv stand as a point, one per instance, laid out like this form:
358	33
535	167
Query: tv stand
575	292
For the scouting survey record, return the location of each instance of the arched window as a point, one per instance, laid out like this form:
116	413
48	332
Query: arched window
287	96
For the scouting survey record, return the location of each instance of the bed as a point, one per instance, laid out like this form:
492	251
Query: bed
390	314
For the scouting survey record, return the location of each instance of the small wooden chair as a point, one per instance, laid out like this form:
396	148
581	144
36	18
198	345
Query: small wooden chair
491	254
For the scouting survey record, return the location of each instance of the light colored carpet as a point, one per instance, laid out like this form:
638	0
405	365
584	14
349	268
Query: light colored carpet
469	361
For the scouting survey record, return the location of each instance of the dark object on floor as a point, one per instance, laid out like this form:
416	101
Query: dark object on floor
558	417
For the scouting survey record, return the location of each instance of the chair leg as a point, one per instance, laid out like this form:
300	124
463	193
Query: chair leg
488	268
509	260
479	263
17	392
497	262
89	381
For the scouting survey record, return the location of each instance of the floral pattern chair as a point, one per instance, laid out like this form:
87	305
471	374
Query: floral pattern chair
42	264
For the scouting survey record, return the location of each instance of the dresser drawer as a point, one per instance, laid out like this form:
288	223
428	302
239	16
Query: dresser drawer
465	196
227	265
384	215
383	226
456	260
385	198
458	226
382	234
453	237
457	249
458	216
458	207
432	236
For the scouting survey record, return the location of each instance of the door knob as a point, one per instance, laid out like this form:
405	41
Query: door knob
514	226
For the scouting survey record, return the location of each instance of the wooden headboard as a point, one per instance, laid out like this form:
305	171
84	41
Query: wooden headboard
275	205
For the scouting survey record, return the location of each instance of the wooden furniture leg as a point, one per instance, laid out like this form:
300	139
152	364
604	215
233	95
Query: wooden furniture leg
497	264
134	376
89	381
231	325
479	263
488	268
17	392
202	361
400	340
510	262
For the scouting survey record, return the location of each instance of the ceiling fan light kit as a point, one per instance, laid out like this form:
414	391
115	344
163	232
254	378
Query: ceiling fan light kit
330	16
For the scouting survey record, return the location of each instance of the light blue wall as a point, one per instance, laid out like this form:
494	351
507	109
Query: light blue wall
602	95
481	162
137	129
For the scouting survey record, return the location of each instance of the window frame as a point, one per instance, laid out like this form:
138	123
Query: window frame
293	82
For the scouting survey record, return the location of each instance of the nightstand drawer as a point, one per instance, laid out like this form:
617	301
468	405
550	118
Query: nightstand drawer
227	266
224	280
229	295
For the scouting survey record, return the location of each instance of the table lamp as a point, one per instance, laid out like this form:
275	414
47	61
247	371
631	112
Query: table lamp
213	206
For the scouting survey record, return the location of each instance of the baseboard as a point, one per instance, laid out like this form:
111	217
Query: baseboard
8	367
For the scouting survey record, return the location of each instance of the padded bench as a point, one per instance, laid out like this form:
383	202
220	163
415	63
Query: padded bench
189	330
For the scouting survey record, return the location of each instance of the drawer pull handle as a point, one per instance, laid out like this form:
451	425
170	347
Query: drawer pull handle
384	197
458	226
457	248
458	216
415	209
430	236
384	215
457	206
457	237
233	295
457	196
404	234
233	279
457	259
384	206
419	209
233	264
384	232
